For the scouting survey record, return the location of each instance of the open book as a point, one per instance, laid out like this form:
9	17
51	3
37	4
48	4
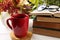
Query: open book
46	12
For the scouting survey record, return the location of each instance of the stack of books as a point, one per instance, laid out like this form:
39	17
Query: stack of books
46	23
49	26
47	19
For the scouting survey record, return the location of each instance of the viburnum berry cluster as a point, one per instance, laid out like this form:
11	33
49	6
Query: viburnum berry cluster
14	6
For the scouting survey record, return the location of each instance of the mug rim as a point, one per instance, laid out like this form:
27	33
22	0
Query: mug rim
25	16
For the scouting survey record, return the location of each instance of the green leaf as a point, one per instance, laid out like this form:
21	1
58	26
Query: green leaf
32	1
36	3
53	2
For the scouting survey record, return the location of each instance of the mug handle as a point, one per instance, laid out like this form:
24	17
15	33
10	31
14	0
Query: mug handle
8	23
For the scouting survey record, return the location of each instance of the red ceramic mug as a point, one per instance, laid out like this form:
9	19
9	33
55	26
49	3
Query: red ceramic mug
19	24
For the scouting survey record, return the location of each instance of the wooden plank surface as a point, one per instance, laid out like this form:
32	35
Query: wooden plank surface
46	32
47	24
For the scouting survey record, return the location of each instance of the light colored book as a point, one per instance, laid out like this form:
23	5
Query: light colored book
46	12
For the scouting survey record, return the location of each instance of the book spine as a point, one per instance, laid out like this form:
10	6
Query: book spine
50	25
